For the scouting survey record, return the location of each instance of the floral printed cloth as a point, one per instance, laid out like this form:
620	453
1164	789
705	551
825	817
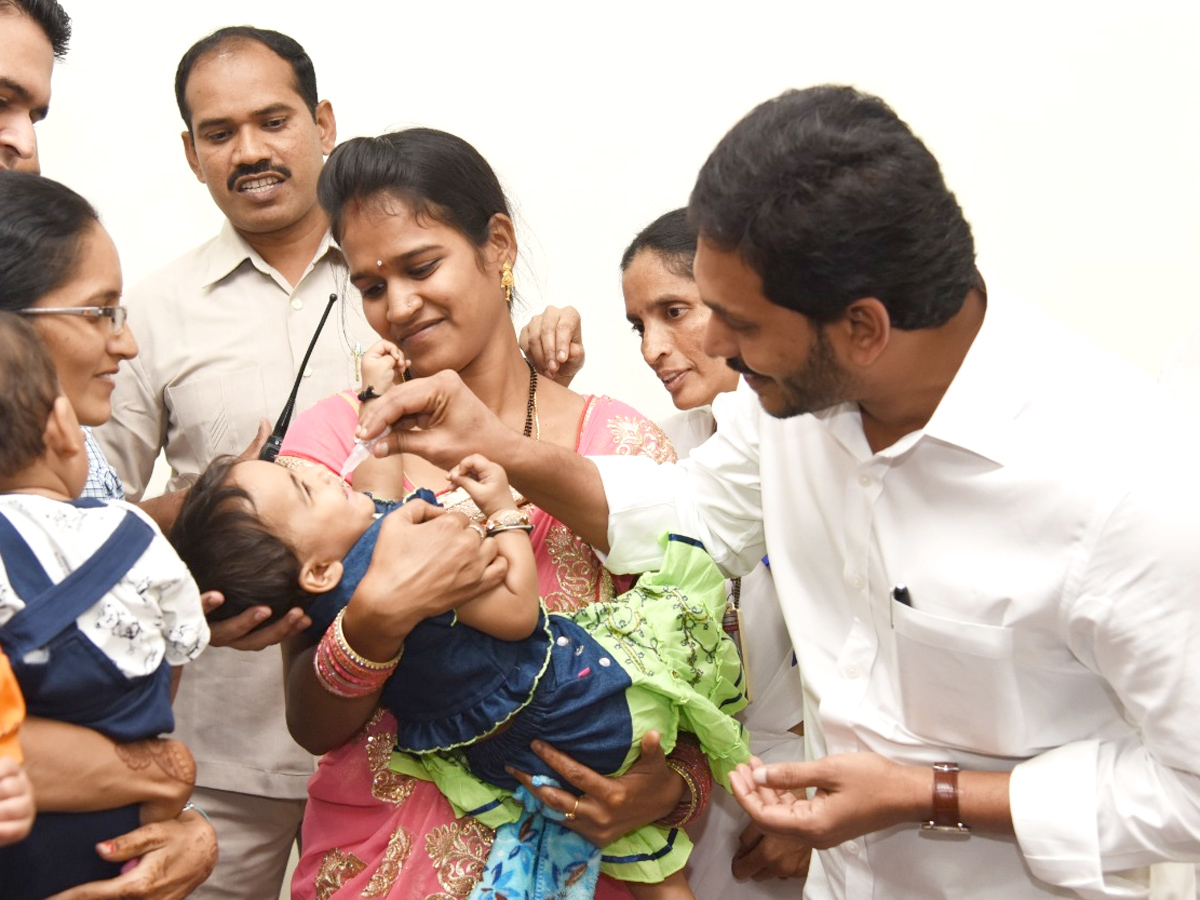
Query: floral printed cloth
536	858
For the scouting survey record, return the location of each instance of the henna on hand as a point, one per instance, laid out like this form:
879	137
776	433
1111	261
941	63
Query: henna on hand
171	756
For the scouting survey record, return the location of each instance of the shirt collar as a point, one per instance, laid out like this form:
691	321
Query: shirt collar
988	392
991	387
229	251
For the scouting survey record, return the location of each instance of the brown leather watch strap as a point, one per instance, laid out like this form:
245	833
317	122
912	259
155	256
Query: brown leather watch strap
945	800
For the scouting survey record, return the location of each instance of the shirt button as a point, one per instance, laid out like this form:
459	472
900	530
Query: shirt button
297	303
851	672
605	661
864	480
852	848
308	371
856	582
562	640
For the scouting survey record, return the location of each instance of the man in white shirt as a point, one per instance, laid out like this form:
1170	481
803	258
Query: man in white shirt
981	529
223	330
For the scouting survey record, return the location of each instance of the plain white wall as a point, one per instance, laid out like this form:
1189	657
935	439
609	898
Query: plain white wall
1067	129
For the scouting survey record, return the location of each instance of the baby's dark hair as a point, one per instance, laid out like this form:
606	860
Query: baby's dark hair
227	548
28	389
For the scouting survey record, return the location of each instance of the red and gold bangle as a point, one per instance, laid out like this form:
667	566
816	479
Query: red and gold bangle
345	673
689	762
338	681
329	680
354	657
685	810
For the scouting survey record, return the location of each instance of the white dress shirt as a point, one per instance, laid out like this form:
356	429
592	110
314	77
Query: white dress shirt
1045	522
221	336
1181	378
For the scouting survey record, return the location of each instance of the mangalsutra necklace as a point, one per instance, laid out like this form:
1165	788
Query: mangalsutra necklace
533	428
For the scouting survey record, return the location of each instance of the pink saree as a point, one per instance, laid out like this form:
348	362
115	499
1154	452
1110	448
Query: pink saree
369	832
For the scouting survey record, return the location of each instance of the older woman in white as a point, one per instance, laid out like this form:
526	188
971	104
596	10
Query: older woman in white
664	308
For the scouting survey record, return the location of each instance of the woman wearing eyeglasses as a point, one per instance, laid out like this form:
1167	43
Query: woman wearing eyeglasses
59	268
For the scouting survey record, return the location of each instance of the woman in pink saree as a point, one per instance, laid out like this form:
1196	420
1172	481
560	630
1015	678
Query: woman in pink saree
430	244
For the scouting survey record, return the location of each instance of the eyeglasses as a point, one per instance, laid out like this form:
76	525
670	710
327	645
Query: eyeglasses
117	314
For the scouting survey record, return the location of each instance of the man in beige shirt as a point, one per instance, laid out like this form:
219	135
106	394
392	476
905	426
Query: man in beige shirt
223	330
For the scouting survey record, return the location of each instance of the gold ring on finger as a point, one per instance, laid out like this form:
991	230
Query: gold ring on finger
574	810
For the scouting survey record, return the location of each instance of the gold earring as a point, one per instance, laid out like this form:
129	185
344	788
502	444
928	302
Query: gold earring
506	282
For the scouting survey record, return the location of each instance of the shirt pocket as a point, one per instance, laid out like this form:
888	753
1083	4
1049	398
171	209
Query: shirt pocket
957	682
216	415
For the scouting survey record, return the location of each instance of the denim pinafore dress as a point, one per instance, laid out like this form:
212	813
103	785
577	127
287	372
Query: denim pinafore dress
66	677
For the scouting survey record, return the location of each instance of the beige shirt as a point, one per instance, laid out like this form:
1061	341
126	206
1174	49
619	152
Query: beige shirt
221	337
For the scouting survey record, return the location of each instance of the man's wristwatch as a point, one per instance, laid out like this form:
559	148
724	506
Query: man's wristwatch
945	800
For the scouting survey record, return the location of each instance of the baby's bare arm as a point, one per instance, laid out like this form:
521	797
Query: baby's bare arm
382	478
382	366
510	611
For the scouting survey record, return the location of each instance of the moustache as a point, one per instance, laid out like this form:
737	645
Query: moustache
261	167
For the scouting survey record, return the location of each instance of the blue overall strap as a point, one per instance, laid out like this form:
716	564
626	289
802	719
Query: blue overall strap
50	608
25	573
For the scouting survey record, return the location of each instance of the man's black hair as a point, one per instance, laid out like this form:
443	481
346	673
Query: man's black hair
286	48
830	197
672	237
50	16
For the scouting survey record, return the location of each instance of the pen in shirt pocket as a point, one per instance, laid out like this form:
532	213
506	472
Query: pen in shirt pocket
900	594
